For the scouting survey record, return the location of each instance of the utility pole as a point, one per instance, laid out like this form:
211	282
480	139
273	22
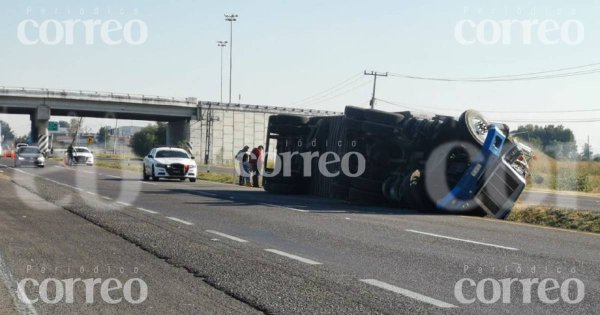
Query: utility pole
230	18
221	44
375	75
589	150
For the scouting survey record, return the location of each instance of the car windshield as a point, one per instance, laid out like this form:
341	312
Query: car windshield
82	150
171	154
29	150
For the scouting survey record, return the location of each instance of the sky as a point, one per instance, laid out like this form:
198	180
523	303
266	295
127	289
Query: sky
287	51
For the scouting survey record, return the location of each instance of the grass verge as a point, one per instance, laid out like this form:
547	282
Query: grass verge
217	177
580	220
120	165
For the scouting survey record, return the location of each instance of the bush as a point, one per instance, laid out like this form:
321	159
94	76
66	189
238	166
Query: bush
144	140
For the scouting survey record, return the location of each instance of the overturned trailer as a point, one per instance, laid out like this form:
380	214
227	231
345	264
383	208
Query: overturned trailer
438	163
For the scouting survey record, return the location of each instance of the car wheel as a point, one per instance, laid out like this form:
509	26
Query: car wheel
192	180
144	175
154	178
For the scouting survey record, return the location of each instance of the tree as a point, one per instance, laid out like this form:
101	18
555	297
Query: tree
144	140
75	127
102	134
6	131
64	124
556	141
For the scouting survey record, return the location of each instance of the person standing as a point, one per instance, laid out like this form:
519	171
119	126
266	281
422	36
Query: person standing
242	158
256	157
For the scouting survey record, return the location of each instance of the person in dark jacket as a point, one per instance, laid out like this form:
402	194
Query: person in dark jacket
256	157
242	157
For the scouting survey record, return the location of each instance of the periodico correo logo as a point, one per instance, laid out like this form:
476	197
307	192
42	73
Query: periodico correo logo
525	26
81	26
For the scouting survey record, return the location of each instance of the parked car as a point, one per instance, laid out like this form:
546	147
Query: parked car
29	155
428	163
169	162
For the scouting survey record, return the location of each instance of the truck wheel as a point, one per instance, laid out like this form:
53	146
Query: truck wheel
354	112
474	126
381	117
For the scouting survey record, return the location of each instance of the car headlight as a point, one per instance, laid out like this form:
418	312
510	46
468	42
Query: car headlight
41	159
21	158
192	166
160	165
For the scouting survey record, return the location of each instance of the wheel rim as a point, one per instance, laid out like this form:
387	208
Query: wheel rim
478	127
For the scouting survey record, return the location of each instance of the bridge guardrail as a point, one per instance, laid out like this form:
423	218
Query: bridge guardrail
106	96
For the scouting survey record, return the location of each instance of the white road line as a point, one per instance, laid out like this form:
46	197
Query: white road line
462	240
10	284
113	176
124	204
180	221
149	183
298	258
283	207
106	198
407	293
91	193
146	210
231	237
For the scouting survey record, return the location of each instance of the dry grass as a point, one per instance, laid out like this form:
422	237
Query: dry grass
548	173
580	220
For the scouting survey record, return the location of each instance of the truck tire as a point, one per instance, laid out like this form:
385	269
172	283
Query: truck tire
473	126
381	117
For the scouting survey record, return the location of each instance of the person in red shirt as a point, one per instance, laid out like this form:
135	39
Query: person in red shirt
256	160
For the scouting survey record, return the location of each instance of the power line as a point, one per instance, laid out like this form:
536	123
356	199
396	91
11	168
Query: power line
355	77
440	108
340	94
540	75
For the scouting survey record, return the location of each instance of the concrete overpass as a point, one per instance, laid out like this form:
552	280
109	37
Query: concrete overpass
182	114
40	104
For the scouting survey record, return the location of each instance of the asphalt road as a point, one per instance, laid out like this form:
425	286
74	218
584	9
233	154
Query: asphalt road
294	254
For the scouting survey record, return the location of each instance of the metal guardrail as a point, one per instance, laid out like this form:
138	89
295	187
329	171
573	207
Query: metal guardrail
149	99
98	96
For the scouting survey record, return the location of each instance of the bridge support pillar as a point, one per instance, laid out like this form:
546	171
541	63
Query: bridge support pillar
39	127
178	133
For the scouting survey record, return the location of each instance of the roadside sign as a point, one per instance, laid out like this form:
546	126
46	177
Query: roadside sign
53	126
90	140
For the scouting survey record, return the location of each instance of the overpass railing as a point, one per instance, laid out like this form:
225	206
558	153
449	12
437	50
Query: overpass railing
99	96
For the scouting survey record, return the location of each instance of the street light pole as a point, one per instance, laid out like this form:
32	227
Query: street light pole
230	18
222	44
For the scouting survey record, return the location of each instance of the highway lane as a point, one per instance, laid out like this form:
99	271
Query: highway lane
39	241
423	254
